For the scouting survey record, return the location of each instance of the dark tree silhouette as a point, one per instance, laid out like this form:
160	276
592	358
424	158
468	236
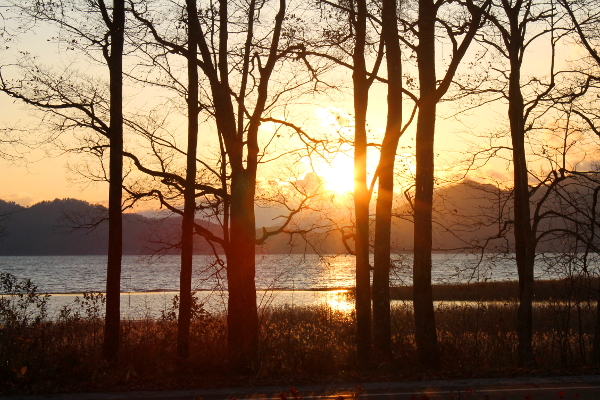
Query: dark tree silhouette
385	174
239	99
431	91
189	191
512	21
361	192
585	17
111	44
114	60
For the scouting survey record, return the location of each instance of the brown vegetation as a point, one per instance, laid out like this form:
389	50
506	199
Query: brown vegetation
297	344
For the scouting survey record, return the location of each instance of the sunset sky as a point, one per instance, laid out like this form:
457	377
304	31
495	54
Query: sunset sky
45	175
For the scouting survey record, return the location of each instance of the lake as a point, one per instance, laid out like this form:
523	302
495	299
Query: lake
149	283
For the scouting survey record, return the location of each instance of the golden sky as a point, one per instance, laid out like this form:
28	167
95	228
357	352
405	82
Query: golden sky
46	175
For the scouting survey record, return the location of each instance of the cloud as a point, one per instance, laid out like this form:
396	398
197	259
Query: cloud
498	175
334	117
23	199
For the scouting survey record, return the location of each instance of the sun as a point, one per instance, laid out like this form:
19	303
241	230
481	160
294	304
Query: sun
338	175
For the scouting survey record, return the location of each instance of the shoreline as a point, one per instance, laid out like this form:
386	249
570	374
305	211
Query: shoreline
544	289
576	287
175	291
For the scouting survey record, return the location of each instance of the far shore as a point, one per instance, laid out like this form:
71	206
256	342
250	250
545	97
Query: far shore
544	290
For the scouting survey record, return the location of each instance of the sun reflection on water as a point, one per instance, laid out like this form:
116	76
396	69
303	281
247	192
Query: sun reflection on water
339	300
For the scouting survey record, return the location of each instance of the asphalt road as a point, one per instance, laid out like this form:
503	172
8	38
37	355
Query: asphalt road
570	388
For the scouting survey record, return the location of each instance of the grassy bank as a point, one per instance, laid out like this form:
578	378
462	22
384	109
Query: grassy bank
544	290
297	345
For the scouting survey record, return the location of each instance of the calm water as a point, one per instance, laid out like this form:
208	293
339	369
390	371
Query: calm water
76	274
149	283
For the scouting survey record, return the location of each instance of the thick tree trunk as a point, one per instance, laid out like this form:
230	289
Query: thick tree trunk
242	317
524	241
425	333
242	314
382	260
525	257
524	236
383	209
595	357
363	269
115	223
361	193
189	208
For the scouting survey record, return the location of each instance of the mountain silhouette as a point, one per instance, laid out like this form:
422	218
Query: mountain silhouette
75	227
465	218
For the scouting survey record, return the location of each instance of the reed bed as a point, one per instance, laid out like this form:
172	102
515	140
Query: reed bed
306	343
574	286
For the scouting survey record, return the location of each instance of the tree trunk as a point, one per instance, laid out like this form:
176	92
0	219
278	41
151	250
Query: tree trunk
361	193
425	333
383	209
115	223
524	240
242	316
524	254
189	208
595	357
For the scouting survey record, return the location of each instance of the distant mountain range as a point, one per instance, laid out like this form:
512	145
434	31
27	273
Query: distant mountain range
463	216
75	227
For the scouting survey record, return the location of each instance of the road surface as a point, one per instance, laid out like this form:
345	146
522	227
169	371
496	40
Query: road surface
570	388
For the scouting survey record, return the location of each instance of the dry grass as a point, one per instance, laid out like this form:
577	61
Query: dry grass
476	339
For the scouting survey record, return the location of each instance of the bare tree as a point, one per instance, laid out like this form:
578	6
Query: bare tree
362	82
512	20
110	44
431	91
385	175
114	60
584	17
235	109
189	193
238	69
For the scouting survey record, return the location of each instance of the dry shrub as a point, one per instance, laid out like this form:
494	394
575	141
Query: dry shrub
306	340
